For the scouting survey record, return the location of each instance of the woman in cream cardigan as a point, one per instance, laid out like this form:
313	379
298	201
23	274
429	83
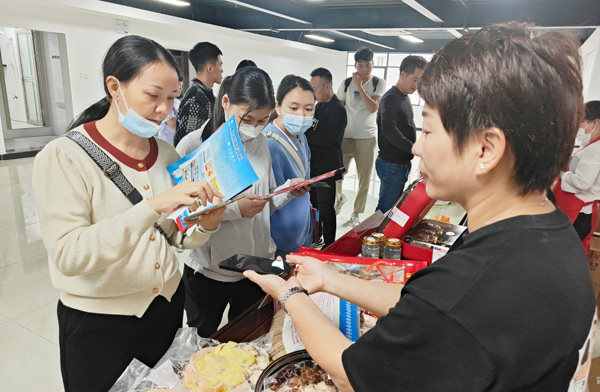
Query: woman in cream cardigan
111	258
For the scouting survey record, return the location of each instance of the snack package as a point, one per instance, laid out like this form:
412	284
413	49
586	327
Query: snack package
385	270
187	366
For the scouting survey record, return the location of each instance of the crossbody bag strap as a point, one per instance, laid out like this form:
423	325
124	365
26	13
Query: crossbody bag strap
289	149
112	170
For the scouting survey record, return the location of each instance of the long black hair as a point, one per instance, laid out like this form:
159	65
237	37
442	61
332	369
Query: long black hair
124	60
248	86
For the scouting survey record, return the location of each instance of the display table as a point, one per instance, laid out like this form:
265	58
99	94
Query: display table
246	327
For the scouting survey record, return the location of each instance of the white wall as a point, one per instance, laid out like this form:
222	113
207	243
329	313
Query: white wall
90	28
590	53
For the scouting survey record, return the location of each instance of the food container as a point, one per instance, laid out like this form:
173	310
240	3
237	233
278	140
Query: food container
392	249
381	238
429	240
294	358
370	247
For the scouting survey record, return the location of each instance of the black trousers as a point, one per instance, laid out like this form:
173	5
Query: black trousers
206	300
95	349
583	225
323	199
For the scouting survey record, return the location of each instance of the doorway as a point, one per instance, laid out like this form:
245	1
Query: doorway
35	99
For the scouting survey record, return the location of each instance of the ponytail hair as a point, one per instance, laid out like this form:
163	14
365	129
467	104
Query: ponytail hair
93	113
248	86
218	114
124	60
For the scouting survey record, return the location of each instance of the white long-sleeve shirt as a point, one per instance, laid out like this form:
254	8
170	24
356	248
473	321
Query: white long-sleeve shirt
251	236
583	177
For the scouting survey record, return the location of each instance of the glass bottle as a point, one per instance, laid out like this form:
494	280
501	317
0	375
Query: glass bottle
392	249
380	237
370	248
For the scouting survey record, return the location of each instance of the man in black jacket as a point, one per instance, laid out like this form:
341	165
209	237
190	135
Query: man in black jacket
325	142
396	133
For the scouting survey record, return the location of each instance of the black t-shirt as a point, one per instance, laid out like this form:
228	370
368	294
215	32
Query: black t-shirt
396	132
325	137
507	309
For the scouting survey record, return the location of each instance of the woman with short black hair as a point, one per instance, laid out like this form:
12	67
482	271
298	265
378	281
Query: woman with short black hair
511	306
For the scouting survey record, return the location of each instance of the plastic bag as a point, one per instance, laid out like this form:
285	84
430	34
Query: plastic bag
228	367
168	374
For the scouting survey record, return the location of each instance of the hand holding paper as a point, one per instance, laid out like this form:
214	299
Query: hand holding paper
251	205
187	193
300	191
298	183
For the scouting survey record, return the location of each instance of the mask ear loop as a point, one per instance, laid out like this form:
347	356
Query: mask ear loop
123	95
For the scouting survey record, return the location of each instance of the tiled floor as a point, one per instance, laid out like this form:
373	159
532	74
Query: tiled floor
29	354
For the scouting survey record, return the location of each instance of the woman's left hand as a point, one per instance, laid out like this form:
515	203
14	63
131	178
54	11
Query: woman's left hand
212	220
300	191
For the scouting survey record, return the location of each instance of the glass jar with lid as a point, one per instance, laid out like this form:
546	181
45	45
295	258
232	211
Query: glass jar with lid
392	249
380	237
370	247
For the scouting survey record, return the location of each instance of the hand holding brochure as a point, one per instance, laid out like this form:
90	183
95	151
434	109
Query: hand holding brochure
220	161
303	184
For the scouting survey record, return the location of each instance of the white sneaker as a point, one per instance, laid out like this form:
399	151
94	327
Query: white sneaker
339	203
354	220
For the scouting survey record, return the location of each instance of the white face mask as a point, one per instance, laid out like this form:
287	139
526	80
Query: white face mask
582	138
248	131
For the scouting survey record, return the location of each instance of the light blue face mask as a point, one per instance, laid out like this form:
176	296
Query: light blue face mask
135	123
296	125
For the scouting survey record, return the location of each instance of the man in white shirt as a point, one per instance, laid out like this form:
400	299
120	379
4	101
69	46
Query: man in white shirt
361	95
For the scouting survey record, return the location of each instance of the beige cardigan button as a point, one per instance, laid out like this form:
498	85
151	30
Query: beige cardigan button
152	238
157	266
155	290
146	187
141	165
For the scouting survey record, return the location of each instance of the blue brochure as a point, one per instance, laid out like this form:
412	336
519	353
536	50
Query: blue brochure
221	161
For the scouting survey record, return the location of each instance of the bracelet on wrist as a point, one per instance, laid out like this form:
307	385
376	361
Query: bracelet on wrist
289	293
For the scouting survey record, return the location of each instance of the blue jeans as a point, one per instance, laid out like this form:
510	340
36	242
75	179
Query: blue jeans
393	176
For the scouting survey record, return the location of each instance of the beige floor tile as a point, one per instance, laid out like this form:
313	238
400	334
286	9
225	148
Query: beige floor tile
25	287
15	248
28	362
31	231
42	322
18	214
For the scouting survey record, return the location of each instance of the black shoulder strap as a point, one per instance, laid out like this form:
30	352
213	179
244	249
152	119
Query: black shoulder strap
375	82
112	170
349	80
347	84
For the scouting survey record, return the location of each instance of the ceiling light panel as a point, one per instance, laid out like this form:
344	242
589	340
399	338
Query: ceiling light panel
422	10
319	38
266	11
411	38
178	3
